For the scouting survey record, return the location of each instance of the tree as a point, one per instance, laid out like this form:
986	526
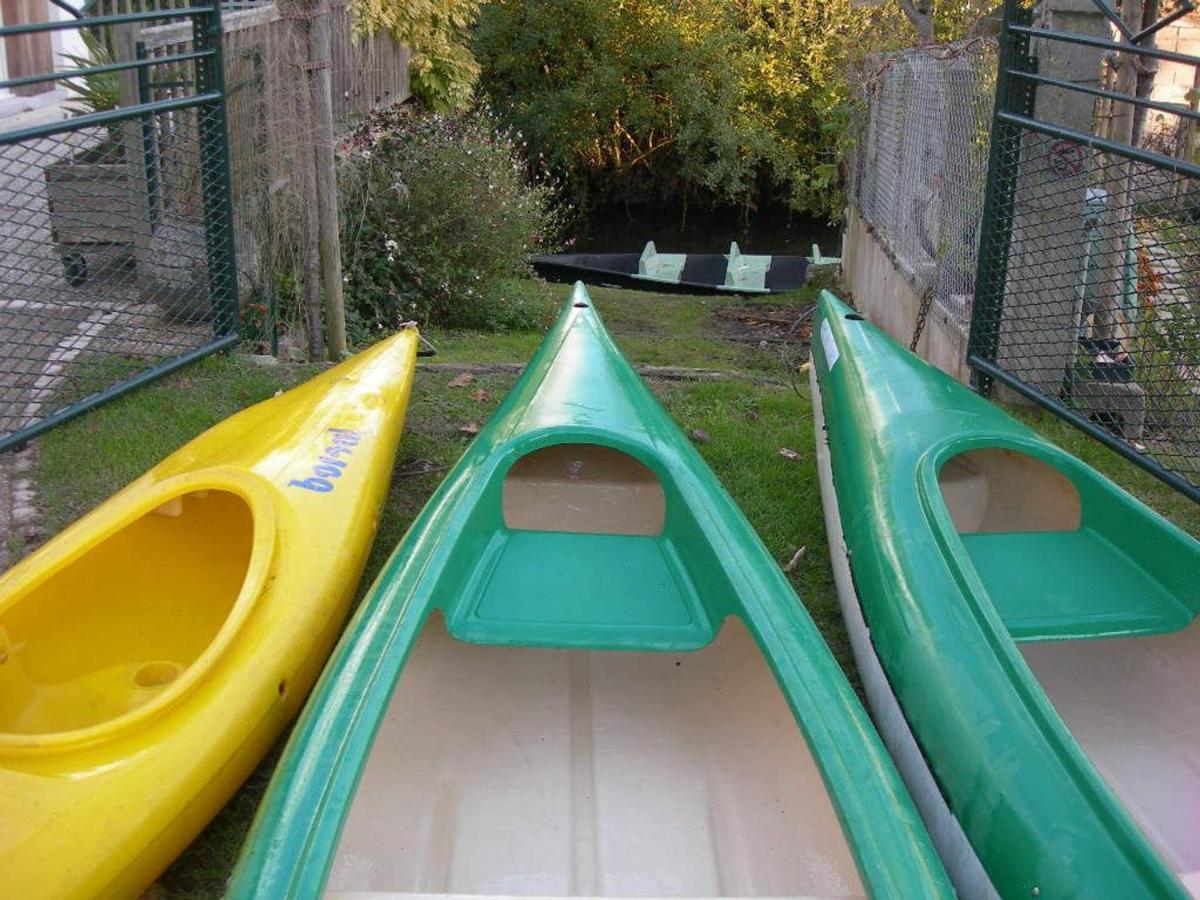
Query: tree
920	15
712	101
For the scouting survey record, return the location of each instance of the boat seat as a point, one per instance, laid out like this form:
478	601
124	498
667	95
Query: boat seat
595	591
660	266
1070	584
746	273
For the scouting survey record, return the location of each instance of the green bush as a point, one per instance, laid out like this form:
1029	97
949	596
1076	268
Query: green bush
439	213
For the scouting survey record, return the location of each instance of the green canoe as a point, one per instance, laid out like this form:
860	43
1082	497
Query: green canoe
1026	631
475	733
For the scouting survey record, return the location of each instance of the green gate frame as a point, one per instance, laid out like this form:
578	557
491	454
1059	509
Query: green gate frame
1016	86
209	101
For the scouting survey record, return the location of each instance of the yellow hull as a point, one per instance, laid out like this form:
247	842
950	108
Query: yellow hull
152	652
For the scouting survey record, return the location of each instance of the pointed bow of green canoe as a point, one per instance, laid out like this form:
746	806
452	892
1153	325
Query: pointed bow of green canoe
662	559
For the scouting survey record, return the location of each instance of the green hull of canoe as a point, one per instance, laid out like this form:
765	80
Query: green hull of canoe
667	589
946	609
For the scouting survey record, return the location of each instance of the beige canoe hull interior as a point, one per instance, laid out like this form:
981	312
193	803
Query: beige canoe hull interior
525	772
1133	704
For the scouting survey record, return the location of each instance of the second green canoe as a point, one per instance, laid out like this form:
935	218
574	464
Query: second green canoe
1026	631
475	734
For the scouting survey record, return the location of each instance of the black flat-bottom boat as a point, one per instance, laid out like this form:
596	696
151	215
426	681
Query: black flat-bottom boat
683	273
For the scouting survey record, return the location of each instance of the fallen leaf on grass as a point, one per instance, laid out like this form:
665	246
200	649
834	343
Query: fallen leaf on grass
481	395
461	380
469	428
795	560
789	454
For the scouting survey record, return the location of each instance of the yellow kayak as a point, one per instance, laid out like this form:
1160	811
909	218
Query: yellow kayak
152	652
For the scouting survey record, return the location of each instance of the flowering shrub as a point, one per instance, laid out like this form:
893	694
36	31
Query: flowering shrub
438	212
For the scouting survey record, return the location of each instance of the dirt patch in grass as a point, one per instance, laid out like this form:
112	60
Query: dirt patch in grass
757	322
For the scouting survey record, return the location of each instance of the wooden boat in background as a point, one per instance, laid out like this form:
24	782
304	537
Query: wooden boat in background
1026	631
152	652
684	273
475	734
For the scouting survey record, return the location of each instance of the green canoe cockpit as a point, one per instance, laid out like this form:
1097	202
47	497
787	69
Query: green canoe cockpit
567	770
1101	601
582	545
1054	554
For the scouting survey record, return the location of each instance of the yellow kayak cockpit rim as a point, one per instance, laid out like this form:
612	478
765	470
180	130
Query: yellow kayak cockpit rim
126	618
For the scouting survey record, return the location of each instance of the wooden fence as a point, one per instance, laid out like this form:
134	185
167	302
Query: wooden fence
268	114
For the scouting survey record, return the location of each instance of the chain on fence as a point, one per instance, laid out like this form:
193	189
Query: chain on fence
920	162
1088	294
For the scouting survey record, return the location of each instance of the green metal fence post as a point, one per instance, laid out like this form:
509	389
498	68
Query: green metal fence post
1012	95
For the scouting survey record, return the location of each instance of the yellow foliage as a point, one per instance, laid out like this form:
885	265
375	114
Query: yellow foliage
443	69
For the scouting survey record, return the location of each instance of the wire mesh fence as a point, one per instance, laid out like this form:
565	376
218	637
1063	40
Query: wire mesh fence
158	225
919	163
1089	275
116	246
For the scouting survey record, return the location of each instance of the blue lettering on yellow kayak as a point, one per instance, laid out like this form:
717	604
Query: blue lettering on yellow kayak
329	465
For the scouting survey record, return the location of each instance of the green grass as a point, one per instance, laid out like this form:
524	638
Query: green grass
747	422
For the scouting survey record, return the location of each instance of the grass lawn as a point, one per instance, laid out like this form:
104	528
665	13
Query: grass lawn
746	421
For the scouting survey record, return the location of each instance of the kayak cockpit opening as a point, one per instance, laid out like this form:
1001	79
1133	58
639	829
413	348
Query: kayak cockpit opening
583	488
117	627
996	489
532	772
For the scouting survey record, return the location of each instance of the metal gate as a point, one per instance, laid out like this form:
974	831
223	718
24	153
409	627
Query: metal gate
1087	294
117	261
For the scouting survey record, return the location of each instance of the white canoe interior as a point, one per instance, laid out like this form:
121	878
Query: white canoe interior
1133	704
523	772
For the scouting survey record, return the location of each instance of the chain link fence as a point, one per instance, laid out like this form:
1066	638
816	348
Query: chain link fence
919	163
117	256
1090	273
159	222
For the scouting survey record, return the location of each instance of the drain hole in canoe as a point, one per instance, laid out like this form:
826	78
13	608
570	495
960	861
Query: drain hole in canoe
121	624
583	488
524	772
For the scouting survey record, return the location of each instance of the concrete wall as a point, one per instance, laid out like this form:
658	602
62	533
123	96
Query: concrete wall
1174	80
890	298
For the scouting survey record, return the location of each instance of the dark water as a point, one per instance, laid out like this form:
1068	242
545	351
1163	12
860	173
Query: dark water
773	231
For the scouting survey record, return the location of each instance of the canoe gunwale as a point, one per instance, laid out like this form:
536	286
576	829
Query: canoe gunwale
963	866
107	521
